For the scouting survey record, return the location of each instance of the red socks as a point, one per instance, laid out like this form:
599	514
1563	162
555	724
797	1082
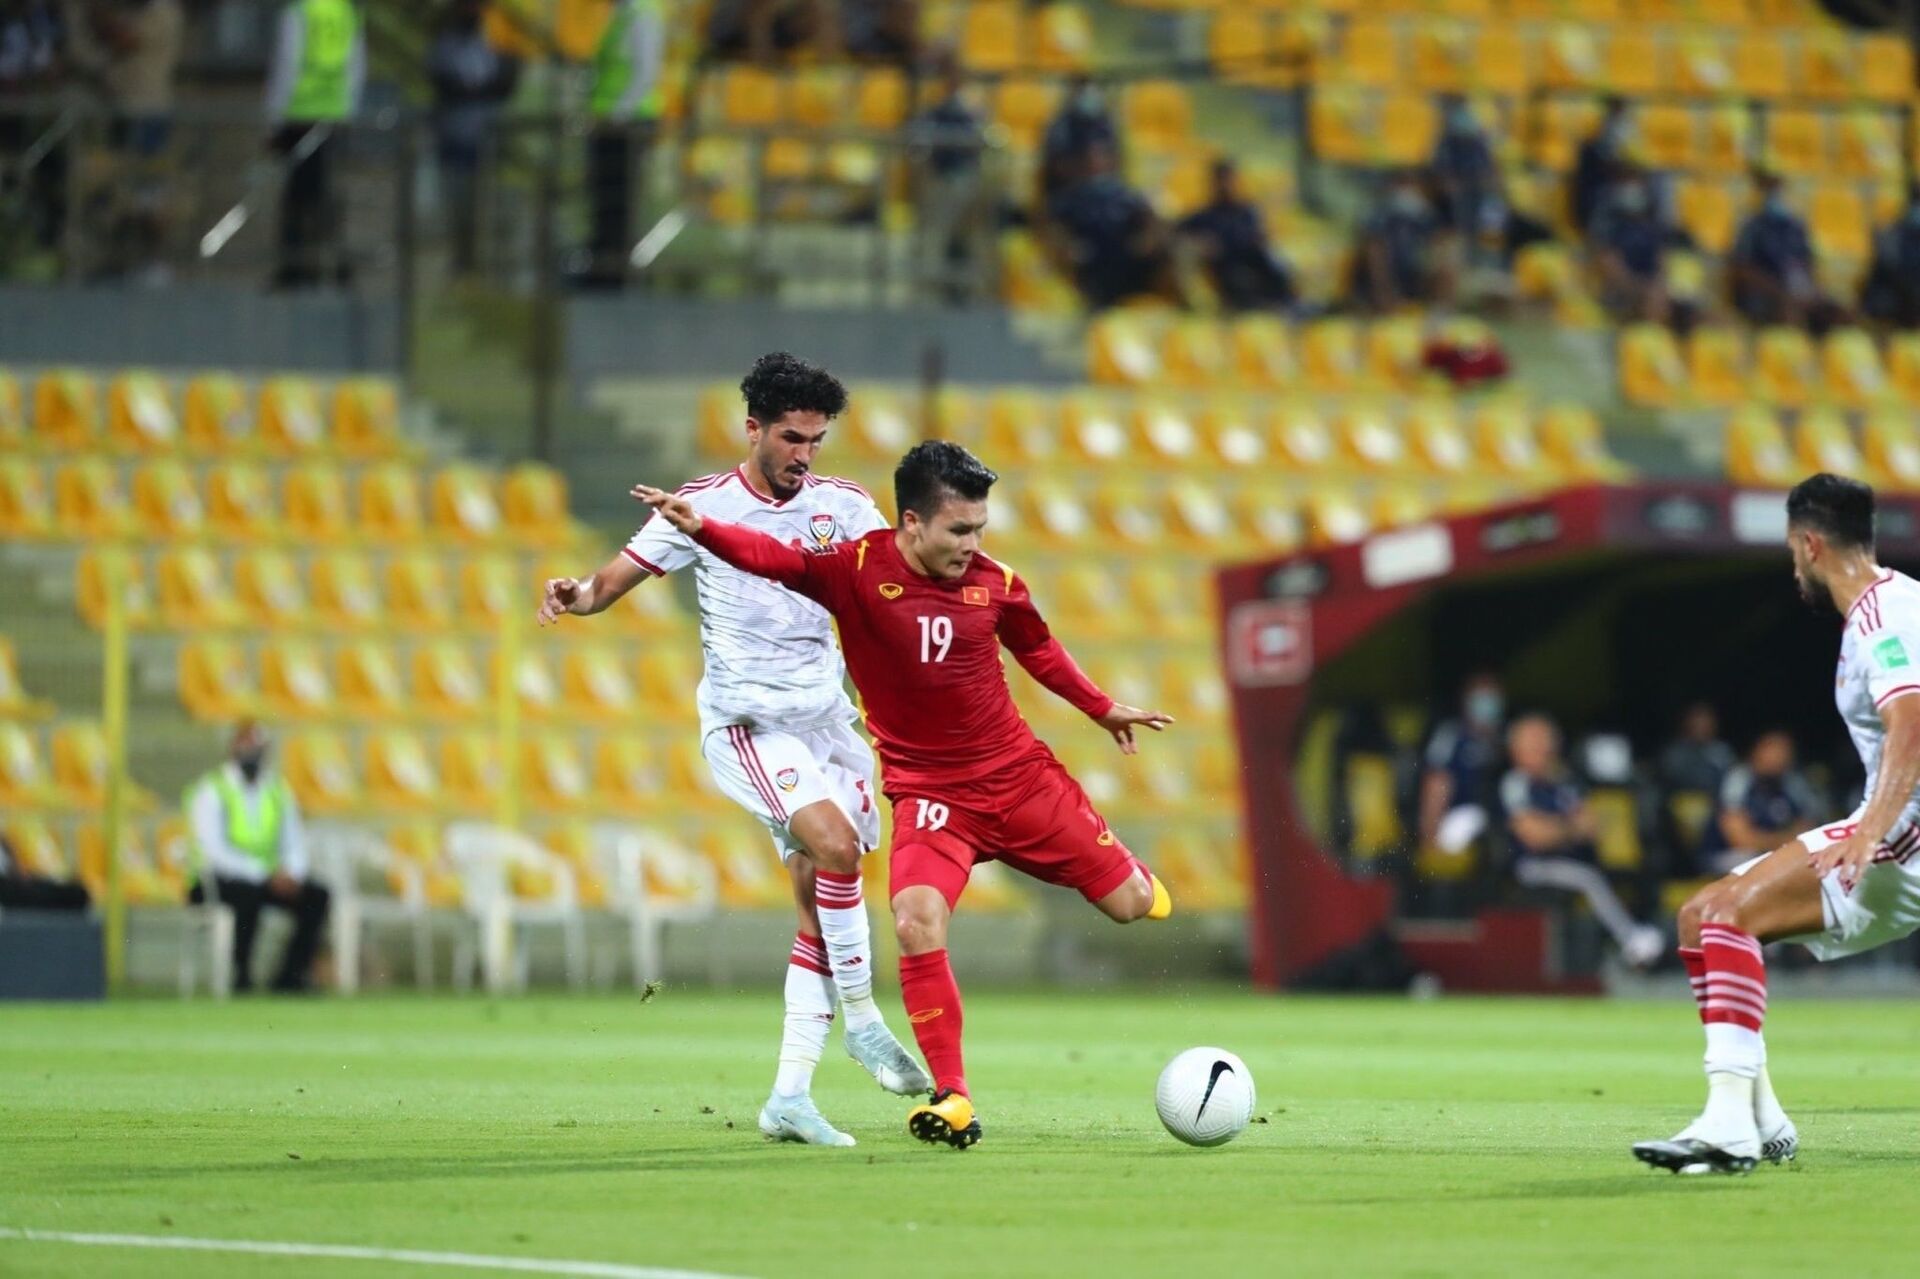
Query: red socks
1696	963
1736	977
933	1006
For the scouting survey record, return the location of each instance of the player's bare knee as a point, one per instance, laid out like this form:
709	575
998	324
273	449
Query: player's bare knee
1689	917
920	923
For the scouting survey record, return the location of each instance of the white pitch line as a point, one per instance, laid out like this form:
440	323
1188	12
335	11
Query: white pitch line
350	1252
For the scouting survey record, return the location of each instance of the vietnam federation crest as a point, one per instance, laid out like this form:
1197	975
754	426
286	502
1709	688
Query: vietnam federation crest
823	526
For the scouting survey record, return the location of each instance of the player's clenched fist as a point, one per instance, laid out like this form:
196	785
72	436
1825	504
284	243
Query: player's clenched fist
677	511
565	595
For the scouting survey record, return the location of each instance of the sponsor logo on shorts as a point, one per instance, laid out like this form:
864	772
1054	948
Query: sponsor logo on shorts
822	527
1106	837
974	595
788	778
924	1015
891	590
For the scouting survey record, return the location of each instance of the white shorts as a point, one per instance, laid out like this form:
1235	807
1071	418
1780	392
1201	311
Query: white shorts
774	775
1883	906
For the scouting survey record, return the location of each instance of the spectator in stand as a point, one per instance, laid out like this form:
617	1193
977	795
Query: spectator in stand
1629	241
626	103
1108	238
1457	789
881	30
1233	247
1462	168
472	79
22	889
1891	293
1399	258
1774	273
955	206
318	68
1081	126
30	67
1696	759
1598	165
1552	832
131	48
1762	805
763	30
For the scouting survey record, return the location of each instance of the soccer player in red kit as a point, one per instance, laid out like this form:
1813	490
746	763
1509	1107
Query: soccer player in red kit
923	614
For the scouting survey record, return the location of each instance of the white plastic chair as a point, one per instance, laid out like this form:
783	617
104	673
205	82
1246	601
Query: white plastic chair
484	855
344	853
625	853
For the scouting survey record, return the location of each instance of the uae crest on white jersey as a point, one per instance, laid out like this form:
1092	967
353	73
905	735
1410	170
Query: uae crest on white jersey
822	527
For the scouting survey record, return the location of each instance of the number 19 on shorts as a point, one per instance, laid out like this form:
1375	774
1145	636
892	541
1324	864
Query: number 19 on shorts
936	637
928	815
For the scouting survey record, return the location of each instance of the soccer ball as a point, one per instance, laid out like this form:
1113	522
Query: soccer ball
1205	1096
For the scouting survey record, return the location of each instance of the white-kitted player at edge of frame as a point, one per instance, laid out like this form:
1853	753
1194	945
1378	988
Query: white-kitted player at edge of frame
1840	889
776	724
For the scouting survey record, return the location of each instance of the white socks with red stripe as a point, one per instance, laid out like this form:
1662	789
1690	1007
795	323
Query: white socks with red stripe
1734	1005
809	1017
849	940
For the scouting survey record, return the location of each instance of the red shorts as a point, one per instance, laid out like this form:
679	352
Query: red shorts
1045	827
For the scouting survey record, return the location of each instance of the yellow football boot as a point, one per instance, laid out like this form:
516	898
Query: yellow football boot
947	1119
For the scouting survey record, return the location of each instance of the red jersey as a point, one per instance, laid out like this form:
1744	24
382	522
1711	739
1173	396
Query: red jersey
924	652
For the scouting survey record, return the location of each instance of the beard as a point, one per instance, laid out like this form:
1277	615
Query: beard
1815	595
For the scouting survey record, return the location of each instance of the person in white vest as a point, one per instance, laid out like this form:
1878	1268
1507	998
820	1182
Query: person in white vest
252	854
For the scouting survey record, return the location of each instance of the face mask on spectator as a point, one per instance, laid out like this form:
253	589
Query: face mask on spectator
1460	120
1087	101
249	762
1776	204
1407	200
1633	199
1484	708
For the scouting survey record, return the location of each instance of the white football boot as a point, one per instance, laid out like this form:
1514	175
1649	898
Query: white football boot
798	1119
1724	1139
884	1057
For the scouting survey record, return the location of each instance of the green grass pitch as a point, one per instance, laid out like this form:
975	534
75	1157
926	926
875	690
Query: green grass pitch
1457	1137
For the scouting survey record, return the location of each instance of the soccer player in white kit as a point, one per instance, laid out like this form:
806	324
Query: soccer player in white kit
776	722
1839	889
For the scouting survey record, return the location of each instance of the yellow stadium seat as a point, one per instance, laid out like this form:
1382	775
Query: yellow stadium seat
879	427
79	754
1405	129
597	684
1867	145
367	680
722	416
1652	373
24	508
1439	57
446	682
1123	348
1829	65
416	590
1195	353
1061	37
1785	371
533	498
1668	134
1435	441
1263	353
140	413
14	431
268	585
240	502
553	772
1892	440
91	591
470	772
291	419
1340	123
218	415
1241	45
1089	594
1717	366
486	591
193	591
314	501
1708	211
1635	65
1702	64
1505	439
66	408
1231	433
464	505
1727	148
216	680
1903	365
343	594
1882	68
627	775
880	99
1177	605
1761	66
1335	516
750	97
1129	514
1165	432
1797	141
390	503
36	850
1850	369
165	502
1094	429
1330	355
1498	61
1023	107
666	676
992	36
1299	436
817	95
1398	505
14	702
1837	220
1575	444
1370	54
1822	442
1157	114
1393	350
1757	451
399	772
1271	518
293	679
1054	515
1020	429
320	771
87	502
1723	13
23	773
366	416
1569	57
1369	439
1560	126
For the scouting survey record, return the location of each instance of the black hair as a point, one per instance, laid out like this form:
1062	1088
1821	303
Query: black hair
935	469
1839	509
779	384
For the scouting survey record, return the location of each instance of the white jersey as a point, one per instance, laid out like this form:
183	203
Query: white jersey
1879	661
771	658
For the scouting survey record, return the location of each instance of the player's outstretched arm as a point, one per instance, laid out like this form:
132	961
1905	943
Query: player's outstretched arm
1121	720
1893	788
1033	645
585	596
744	548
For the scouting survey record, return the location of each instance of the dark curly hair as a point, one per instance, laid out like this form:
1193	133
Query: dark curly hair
935	469
780	384
1839	508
